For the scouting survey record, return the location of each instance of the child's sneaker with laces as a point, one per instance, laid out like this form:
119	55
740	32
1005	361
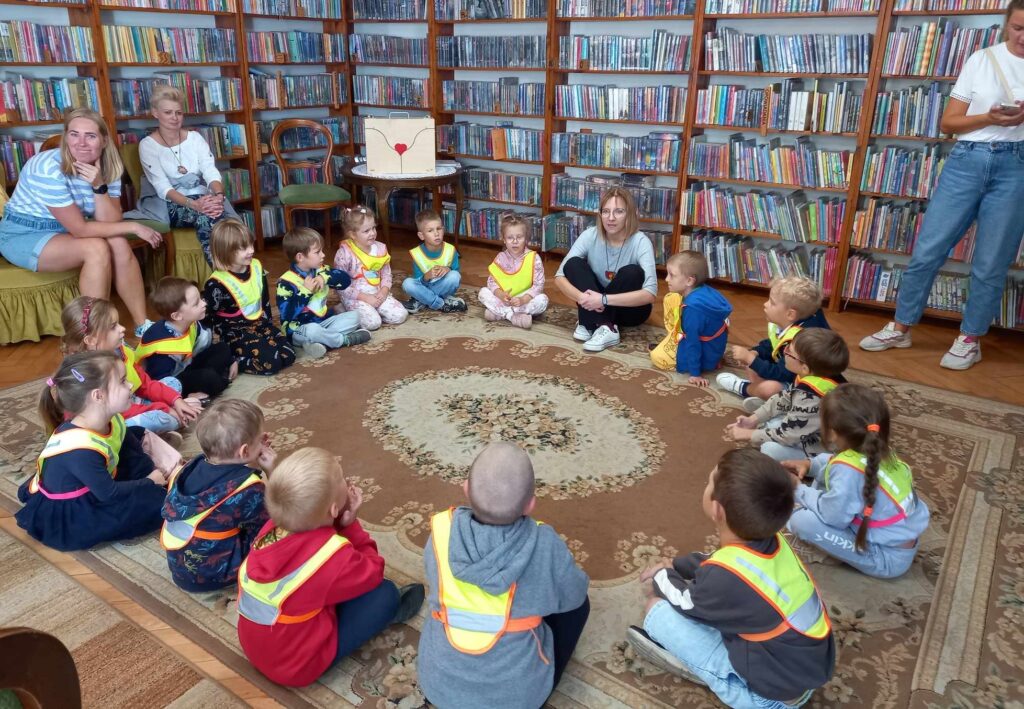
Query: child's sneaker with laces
314	350
885	339
731	383
412	306
963	354
141	329
581	334
454	305
356	337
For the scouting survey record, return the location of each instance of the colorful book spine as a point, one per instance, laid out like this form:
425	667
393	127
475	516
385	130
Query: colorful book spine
154	45
501	142
657	152
386	49
29	43
938	48
661	51
584	194
378	90
914	111
772	163
295	47
26	99
313	9
184	5
641	104
505	96
785	106
489	9
903	172
947	5
727	49
305	137
486	224
515	52
237	184
624	8
521	188
755	7
132	96
389	10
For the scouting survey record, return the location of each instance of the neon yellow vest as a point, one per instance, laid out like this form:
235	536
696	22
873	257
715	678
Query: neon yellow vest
894	478
425	263
371	265
317	303
248	294
176	534
261	602
130	358
182	344
108	445
784	583
780	340
819	385
518	282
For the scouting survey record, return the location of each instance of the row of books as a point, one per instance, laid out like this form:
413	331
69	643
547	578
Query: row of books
132	96
639	104
225	139
624	8
390	90
908	172
782	106
182	45
518	187
506	96
728	49
561	229
489	9
947	5
271	219
389	10
937	48
303	137
15	152
653	152
386	49
517	51
913	111
237	183
293	90
772	162
500	142
662	51
31	43
792	217
584	194
186	5
28	99
295	47
319	9
754	7
486	224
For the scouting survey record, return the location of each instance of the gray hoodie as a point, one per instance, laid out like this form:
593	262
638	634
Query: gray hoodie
511	674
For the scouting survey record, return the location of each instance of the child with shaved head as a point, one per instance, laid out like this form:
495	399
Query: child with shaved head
507	601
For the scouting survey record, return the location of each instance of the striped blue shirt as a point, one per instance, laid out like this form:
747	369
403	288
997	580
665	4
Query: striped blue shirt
42	185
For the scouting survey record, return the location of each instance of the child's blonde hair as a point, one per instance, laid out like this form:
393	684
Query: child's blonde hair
85	316
299	240
510	220
228	238
302	489
67	391
690	263
427	215
797	293
353	218
227	426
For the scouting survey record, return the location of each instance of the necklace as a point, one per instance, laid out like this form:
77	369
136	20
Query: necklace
607	259
182	170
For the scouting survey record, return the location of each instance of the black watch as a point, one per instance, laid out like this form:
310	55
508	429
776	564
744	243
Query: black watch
102	189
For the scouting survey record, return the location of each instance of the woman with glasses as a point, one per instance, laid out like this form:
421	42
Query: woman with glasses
610	274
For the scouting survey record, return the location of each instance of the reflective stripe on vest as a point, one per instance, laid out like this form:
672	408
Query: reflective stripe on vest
517	282
781	339
317	303
129	358
261	602
176	534
782	581
109	446
819	385
371	265
425	263
248	294
894	478
179	345
473	619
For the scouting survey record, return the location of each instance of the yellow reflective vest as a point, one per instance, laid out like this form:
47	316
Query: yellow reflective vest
182	345
370	265
781	339
129	357
176	534
317	303
518	282
425	263
819	385
248	294
108	445
894	478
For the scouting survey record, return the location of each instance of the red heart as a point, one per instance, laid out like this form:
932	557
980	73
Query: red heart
401	148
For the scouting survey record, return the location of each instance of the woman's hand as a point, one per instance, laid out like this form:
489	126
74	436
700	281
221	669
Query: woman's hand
591	300
208	205
1006	120
89	173
150	236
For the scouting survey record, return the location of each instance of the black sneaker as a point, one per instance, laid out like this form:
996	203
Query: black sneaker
410	598
356	337
412	305
454	305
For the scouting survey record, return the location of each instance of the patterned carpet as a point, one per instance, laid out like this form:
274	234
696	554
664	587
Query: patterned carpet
622	453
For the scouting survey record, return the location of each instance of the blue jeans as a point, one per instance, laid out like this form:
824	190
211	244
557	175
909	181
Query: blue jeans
329	332
433	294
156	421
364	616
983	182
883	562
779	452
701	649
23	238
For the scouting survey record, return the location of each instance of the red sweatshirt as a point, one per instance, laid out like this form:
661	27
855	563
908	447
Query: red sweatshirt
161	395
296	654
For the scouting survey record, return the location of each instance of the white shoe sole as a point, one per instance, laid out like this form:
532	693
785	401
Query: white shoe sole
882	346
599	348
579	338
662	659
960	367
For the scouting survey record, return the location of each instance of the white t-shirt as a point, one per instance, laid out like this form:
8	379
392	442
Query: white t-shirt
979	85
161	165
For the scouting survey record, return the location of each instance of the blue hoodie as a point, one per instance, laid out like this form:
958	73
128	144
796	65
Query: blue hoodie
705	310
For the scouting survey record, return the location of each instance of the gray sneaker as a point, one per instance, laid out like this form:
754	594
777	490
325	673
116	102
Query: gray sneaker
885	339
412	305
314	350
658	656
454	305
410	598
963	354
752	404
356	337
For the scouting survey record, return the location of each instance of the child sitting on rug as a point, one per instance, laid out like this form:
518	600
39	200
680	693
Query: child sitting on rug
312	589
696	319
862	508
747	620
507	600
366	261
794	303
515	281
214	506
97	479
238	302
787	426
179	346
435	269
302	298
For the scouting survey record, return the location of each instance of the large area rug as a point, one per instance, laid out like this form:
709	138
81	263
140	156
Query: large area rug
622	453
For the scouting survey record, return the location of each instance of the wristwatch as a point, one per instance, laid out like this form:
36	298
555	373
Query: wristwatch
102	189
604	300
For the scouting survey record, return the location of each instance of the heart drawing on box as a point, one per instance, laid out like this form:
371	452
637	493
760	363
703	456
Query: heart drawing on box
401	148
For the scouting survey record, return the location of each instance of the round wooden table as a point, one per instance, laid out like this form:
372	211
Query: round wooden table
384	186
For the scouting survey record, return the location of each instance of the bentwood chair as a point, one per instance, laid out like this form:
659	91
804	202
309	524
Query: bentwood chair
38	670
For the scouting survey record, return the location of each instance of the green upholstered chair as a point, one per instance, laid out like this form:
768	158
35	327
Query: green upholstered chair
322	196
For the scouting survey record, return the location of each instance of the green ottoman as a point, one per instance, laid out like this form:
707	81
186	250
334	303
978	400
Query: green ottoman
30	303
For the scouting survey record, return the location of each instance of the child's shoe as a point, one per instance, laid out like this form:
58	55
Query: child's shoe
491	316
356	337
454	305
523	320
752	404
965	351
412	305
732	383
887	338
141	329
410	598
314	350
658	656
581	334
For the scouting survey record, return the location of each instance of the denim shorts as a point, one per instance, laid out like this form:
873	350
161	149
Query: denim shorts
23	238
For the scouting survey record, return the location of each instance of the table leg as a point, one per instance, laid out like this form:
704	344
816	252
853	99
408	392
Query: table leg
458	208
383	214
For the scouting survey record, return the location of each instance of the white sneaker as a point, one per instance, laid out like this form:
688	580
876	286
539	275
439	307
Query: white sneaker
886	338
731	383
963	354
314	350
141	329
752	404
581	333
603	338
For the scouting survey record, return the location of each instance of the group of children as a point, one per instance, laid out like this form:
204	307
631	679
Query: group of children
506	601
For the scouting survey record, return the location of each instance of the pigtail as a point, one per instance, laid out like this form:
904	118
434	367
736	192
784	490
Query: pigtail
50	410
67	391
873	449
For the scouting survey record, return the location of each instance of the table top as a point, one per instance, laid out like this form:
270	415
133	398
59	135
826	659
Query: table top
442	174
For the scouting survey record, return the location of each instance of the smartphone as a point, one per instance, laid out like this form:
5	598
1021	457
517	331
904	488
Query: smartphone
1010	109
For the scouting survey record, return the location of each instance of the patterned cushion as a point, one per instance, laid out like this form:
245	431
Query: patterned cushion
312	194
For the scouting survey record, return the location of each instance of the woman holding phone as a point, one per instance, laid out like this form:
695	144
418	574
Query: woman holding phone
983	181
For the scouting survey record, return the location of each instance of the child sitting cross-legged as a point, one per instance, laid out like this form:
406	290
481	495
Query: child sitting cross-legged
214	506
747	620
787	426
507	601
515	280
368	264
312	589
435	269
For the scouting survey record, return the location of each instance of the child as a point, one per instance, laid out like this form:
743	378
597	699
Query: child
97	480
862	508
312	589
696	319
787	425
435	269
214	506
515	281
490	559
793	303
92	324
179	346
366	260
747	621
302	298
238	301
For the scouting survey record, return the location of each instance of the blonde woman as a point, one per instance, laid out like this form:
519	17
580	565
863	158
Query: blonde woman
65	214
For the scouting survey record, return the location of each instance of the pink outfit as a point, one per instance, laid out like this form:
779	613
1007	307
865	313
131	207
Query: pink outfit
509	263
390	311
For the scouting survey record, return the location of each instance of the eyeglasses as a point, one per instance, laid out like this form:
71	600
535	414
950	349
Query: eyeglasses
613	212
788	351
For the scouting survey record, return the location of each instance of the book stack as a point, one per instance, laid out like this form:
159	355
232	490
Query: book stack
305	137
237	185
186	5
661	51
28	99
727	49
386	49
379	90
503	186
489	9
772	162
295	47
639	104
30	43
937	48
657	152
947	5
905	172
739	260
505	96
500	142
314	174
584	194
486	224
516	52
318	9
160	45
914	111
389	10
754	7
624	8
132	96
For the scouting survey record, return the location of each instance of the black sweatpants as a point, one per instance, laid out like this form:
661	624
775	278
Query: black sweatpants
566	629
208	371
628	279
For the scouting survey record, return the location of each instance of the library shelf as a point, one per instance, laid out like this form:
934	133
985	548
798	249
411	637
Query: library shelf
324	62
785	15
381	20
392	106
452	154
557	251
27	124
486	20
613	168
924	138
907	254
780	74
242	200
459	112
646	220
296	18
306	149
759	129
149	116
919	77
26	3
501	201
31	63
943	13
680	124
887	195
492	68
632	72
123	8
393	66
643	18
759	235
771	185
953	315
172	65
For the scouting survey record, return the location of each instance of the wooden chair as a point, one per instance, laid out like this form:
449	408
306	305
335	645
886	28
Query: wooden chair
38	669
322	196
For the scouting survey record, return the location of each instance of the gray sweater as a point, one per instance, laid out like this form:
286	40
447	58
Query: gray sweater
637	249
511	675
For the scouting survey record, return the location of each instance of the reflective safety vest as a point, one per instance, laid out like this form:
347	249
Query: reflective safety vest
108	445
248	294
130	358
371	265
261	602
176	534
819	385
179	345
894	479
784	583
317	303
517	282
781	339
473	619
425	263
